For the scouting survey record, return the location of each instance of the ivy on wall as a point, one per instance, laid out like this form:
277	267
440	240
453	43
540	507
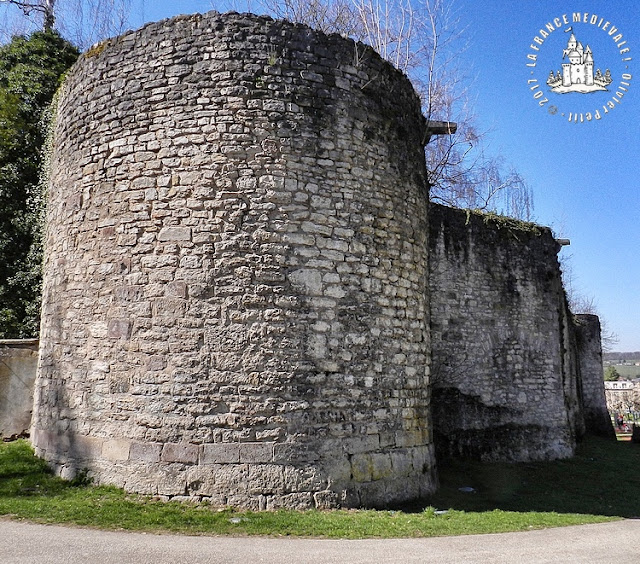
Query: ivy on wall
31	69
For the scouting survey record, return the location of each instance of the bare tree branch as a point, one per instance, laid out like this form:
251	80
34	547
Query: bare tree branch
42	7
424	38
581	303
82	22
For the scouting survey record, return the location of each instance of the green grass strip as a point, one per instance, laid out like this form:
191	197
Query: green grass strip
600	484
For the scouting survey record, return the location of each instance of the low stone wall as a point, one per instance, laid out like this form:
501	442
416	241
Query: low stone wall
18	364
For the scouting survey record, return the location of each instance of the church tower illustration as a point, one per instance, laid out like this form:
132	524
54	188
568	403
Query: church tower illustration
577	70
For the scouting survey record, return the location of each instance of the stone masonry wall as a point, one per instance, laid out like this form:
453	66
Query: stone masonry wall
18	361
596	414
236	262
504	376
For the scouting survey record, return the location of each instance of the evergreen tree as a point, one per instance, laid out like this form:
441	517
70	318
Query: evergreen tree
30	72
611	374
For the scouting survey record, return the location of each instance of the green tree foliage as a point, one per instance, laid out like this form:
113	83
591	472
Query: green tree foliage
611	374
30	73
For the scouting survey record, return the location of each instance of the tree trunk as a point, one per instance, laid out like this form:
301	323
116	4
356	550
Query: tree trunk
49	18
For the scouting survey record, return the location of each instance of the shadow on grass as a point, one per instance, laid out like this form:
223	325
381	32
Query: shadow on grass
24	475
602	479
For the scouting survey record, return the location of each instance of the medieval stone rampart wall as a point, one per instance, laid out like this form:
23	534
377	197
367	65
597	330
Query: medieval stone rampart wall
234	302
237	295
504	377
596	414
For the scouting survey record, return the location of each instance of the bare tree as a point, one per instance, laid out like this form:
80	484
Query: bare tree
424	38
82	22
44	8
329	16
582	304
625	401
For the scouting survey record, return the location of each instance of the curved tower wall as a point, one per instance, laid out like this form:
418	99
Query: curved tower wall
236	263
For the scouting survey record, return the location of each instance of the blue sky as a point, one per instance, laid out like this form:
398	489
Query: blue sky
584	176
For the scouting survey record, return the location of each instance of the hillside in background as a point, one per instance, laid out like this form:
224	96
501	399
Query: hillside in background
620	356
627	364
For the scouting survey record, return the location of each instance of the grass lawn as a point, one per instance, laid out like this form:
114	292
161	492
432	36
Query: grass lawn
601	483
628	371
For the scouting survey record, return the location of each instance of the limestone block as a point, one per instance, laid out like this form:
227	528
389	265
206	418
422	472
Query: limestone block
294	453
118	328
84	447
256	452
309	479
266	479
145	452
297	501
365	443
42	438
231	477
201	480
246	501
116	449
175	234
381	466
361	468
221	453
172	480
401	460
307	280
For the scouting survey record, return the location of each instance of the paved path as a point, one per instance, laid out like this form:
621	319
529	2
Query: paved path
26	543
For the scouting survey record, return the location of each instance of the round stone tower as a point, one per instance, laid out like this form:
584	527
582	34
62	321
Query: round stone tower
235	299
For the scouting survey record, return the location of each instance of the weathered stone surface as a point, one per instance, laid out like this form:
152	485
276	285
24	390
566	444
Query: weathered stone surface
236	267
18	363
505	375
174	234
180	452
589	346
145	452
221	453
116	449
238	303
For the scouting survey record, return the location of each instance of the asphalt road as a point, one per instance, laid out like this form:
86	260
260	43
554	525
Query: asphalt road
26	543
